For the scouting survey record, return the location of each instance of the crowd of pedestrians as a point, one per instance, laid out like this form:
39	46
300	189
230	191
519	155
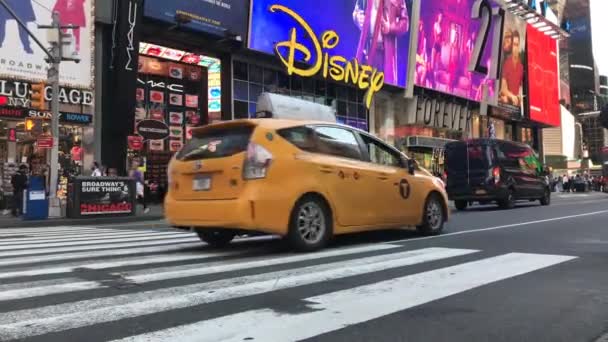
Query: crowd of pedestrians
580	183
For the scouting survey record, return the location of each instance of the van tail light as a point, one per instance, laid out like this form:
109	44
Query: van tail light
257	162
496	175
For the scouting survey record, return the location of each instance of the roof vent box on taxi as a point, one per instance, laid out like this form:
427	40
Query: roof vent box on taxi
285	107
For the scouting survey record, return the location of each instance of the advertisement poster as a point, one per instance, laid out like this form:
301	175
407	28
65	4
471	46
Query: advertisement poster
510	96
215	17
377	38
23	59
543	78
446	39
105	197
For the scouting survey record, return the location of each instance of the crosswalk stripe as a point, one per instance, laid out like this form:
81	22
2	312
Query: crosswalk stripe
155	248
61	317
45	288
28	252
70	267
337	310
136	237
41	233
39	240
165	273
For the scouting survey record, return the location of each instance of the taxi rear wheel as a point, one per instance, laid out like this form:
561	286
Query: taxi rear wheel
311	225
434	216
216	238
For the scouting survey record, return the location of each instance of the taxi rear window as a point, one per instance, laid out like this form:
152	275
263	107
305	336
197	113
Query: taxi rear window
217	143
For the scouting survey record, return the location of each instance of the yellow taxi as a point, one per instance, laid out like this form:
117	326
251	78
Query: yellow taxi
304	180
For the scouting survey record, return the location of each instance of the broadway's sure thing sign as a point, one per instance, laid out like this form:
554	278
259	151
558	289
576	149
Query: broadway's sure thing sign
21	58
105	197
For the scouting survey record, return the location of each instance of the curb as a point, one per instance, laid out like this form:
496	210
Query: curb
78	222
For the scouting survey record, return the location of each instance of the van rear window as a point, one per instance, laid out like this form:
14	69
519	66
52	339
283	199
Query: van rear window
217	143
459	157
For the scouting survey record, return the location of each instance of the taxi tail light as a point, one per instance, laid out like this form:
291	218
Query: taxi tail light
496	174
257	162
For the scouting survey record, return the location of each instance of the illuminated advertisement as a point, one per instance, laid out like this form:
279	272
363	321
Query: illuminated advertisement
512	71
543	91
23	59
349	41
216	17
446	39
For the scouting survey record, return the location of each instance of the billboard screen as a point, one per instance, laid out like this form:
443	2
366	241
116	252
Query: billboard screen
543	79
446	39
215	17
22	59
512	71
370	37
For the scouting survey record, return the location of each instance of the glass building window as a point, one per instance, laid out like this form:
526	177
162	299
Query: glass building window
252	80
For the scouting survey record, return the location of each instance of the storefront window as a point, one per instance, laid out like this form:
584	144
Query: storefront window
251	80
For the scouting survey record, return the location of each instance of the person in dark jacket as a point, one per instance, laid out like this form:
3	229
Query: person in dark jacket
19	183
25	12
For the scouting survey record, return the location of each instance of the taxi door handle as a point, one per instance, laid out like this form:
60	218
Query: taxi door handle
383	176
326	169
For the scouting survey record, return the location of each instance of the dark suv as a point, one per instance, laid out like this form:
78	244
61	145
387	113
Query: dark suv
490	170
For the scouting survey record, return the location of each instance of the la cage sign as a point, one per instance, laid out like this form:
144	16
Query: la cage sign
319	60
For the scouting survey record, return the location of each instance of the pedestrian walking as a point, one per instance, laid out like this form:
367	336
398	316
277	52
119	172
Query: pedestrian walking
96	171
140	186
19	182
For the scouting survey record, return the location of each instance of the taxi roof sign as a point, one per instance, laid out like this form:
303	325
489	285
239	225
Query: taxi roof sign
285	107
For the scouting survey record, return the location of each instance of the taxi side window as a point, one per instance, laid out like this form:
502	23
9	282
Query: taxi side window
302	137
381	154
337	142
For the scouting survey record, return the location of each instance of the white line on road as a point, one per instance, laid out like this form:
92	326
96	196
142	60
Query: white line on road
28	252
84	237
43	232
121	239
337	310
56	286
98	254
513	225
61	317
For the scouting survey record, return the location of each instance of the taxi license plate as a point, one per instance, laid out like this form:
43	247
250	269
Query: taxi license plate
480	192
201	184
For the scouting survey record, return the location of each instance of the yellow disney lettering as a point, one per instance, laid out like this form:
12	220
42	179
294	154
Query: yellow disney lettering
337	67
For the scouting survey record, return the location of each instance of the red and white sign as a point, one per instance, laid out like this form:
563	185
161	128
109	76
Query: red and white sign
543	78
45	141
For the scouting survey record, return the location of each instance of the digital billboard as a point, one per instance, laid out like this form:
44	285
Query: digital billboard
543	79
511	85
216	17
340	39
446	40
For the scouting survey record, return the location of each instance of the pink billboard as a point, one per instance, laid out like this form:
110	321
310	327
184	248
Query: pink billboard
446	40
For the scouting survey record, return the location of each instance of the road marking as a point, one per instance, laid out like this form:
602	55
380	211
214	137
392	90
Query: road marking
337	310
56	286
121	239
165	273
28	252
170	248
513	225
83	237
40	232
61	317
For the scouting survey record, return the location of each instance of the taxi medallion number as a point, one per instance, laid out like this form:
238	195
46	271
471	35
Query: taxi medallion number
201	183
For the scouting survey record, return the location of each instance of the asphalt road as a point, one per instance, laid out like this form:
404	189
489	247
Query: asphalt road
529	274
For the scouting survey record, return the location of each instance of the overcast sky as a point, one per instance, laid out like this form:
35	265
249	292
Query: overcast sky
599	27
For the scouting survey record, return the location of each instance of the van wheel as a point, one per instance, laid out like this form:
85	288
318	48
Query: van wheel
508	202
216	238
310	225
434	216
461	205
546	200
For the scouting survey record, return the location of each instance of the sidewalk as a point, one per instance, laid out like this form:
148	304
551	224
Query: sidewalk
155	214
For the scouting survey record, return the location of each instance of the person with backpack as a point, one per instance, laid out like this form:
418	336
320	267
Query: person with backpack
19	181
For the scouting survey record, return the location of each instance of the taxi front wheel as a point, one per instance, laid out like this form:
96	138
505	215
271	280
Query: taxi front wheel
310	225
216	238
434	216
